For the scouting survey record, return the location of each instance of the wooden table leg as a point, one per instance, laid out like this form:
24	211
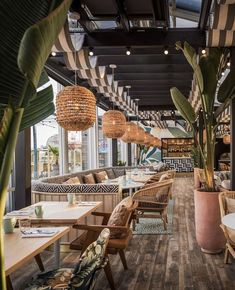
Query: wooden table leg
57	253
39	262
9	284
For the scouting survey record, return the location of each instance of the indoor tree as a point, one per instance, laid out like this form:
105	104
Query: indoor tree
28	30
207	69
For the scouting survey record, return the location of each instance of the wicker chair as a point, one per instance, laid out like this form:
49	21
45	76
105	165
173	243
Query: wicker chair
156	177
229	234
153	198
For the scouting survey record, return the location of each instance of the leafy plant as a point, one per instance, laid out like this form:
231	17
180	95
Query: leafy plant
207	71
55	151
195	154
28	30
121	163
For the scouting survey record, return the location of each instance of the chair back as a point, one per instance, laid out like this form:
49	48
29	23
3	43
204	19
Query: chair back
170	175
223	202
91	261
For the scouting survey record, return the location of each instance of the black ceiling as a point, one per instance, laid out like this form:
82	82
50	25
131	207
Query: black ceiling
147	70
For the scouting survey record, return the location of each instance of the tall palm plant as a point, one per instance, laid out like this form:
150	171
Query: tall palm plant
28	30
207	72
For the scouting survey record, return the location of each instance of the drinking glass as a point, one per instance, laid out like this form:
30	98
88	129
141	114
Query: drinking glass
25	225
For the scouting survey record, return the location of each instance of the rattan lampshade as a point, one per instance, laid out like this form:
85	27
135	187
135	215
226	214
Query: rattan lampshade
130	133
226	139
113	124
75	108
157	142
139	138
147	139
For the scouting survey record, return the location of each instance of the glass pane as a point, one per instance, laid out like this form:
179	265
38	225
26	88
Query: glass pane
74	151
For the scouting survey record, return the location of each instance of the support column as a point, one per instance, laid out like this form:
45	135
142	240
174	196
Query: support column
23	170
232	127
63	151
129	154
114	152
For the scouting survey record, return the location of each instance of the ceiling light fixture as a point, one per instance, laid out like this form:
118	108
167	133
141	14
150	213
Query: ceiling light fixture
53	53
203	51
228	63
166	51
91	52
128	51
222	73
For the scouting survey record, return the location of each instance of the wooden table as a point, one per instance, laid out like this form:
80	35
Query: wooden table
20	250
128	184
229	220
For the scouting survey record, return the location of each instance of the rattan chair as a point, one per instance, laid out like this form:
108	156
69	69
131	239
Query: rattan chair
229	234
153	198
156	177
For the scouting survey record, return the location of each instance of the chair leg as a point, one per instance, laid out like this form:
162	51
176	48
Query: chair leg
39	262
123	258
109	275
226	255
9	284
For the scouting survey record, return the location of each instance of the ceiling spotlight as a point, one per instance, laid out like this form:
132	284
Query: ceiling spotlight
128	51
166	51
53	53
222	73
91	52
203	51
228	63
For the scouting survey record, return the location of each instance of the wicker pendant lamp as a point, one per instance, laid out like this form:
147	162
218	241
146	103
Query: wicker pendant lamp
113	124
139	138
157	143
226	138
130	133
147	139
75	108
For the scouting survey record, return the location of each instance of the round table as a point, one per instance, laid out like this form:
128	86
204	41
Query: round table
131	185
229	220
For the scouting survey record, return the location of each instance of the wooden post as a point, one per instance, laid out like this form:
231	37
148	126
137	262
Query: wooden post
23	170
114	152
129	154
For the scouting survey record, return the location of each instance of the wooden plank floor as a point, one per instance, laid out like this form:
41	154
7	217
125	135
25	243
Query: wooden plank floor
159	261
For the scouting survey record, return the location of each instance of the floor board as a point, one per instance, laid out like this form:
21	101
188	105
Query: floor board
159	261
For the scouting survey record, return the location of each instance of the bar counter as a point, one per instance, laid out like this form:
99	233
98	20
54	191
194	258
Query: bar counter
180	164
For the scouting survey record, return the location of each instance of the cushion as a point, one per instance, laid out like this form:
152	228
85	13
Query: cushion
72	180
230	202
119	216
119	172
101	176
89	179
226	184
110	173
163	177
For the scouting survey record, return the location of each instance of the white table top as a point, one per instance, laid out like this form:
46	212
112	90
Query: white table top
19	250
229	221
59	212
132	185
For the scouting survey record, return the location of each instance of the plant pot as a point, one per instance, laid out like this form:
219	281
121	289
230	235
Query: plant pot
196	178
209	235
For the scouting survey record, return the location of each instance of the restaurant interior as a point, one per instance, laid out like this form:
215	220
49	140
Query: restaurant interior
117	144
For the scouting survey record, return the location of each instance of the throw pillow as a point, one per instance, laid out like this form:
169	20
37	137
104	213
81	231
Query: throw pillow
110	173
226	184
72	180
119	216
230	202
89	179
101	176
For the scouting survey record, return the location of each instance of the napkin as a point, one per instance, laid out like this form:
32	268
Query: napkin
19	213
39	232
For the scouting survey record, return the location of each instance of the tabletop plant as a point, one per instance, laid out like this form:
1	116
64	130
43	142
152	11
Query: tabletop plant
207	69
28	30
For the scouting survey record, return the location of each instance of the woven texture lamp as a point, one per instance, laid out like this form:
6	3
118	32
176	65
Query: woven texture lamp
130	133
226	139
147	139
75	108
139	138
157	142
114	124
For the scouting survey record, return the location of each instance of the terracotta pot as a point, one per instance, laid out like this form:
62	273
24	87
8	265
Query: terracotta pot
196	178
209	235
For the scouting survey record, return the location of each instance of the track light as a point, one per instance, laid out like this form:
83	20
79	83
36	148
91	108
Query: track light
228	63
203	51
222	73
53	53
91	52
166	51
128	51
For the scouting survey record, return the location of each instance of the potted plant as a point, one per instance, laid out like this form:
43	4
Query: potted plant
55	152
23	54
207	69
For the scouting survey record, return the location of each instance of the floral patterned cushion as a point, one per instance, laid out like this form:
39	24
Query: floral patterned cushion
83	276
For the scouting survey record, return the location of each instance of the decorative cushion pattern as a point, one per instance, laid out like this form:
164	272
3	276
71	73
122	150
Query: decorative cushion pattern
230	203
119	216
72	180
89	179
83	276
100	176
119	172
110	173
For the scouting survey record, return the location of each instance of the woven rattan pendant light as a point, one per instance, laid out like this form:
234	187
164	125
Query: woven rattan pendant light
114	124
147	139
75	108
130	133
139	139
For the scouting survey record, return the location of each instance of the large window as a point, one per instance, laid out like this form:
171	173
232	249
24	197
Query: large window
74	151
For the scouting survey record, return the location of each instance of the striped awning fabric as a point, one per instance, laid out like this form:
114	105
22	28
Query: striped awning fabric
224	117
222	25
155	116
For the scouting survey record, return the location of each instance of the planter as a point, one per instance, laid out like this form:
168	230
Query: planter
197	183
209	235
